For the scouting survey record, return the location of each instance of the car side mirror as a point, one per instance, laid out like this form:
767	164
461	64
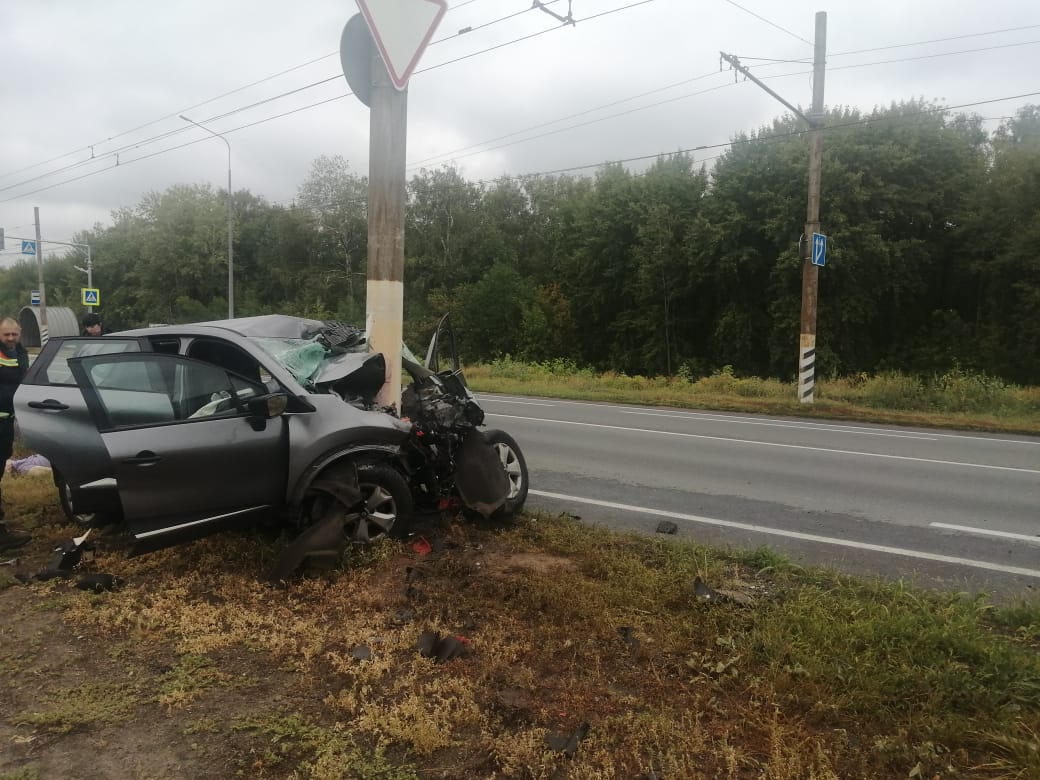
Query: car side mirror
264	408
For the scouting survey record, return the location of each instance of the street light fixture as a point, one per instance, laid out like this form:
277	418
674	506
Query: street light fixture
230	256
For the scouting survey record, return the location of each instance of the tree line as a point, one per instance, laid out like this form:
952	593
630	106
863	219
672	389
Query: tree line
933	254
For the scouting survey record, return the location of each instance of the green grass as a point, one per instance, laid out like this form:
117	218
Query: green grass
956	399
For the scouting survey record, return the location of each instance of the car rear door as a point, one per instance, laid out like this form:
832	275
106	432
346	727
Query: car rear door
53	419
188	458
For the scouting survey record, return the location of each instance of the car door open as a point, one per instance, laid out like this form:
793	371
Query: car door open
188	456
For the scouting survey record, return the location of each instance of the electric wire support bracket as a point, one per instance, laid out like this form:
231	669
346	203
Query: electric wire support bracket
568	19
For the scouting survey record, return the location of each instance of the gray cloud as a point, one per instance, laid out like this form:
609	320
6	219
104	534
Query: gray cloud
113	75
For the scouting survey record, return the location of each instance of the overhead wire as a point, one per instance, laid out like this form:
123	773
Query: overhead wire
137	145
144	142
770	138
452	155
449	154
934	40
173	115
90	147
767	21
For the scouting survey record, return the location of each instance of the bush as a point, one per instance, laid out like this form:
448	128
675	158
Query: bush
895	391
959	390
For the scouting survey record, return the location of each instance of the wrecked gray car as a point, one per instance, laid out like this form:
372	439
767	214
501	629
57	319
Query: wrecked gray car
184	430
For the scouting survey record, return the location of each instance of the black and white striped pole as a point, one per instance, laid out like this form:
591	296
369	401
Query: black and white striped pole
44	332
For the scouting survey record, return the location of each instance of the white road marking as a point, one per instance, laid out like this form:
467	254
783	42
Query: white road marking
968	529
1033	441
775	444
521	403
761	529
856	430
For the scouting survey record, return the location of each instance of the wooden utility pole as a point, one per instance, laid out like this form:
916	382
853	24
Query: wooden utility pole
388	132
44	334
811	272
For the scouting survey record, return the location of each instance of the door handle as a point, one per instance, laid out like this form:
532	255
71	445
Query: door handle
143	458
49	405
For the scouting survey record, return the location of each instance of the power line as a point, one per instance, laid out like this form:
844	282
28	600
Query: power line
115	153
451	155
771	24
772	138
90	147
338	97
584	124
935	40
569	116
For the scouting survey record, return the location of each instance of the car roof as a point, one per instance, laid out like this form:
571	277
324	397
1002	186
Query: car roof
262	326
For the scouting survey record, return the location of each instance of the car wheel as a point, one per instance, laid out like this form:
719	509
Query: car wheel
65	497
386	504
516	469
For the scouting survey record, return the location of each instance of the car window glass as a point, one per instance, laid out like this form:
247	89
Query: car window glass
227	356
132	393
57	371
158	389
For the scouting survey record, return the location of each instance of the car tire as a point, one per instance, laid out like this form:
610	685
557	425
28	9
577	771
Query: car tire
65	498
516	470
388	507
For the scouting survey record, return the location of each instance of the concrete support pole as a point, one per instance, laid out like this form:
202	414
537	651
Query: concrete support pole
810	272
388	127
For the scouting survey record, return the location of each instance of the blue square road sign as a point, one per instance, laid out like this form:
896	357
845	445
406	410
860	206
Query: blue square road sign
819	249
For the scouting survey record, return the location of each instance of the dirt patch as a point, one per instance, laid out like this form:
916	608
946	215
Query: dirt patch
543	563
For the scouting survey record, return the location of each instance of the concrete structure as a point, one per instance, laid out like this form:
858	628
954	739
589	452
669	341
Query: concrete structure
61	321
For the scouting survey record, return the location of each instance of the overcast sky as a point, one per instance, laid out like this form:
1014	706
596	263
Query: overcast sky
89	83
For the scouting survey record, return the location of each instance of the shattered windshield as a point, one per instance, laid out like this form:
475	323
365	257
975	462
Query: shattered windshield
307	359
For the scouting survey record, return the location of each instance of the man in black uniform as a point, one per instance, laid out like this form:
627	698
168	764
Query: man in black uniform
14	362
91	325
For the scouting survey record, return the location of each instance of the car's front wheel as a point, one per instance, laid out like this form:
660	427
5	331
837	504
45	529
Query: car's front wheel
386	507
515	466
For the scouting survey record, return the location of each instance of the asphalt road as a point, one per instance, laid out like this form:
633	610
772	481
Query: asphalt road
935	507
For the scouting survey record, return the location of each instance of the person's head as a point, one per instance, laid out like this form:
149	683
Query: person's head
10	332
92	324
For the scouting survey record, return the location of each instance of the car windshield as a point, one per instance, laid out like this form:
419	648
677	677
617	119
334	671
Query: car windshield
305	358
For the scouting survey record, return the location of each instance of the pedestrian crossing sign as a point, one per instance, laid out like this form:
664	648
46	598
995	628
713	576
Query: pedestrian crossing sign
91	296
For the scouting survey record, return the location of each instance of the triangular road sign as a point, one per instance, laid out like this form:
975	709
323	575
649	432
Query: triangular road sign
402	29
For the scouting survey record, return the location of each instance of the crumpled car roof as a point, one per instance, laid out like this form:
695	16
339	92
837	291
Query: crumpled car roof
282	326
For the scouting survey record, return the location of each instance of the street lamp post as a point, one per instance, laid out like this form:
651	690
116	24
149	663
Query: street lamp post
230	221
89	270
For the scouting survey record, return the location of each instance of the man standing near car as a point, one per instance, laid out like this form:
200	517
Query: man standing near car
92	325
14	362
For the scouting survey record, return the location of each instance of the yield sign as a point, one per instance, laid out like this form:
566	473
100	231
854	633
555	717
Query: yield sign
401	30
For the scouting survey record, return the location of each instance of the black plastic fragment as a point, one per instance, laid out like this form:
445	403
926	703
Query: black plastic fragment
568	745
98	583
704	591
432	645
628	636
667	527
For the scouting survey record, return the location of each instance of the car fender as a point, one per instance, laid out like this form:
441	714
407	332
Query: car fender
360	452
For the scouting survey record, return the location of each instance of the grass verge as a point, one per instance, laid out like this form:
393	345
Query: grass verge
958	399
